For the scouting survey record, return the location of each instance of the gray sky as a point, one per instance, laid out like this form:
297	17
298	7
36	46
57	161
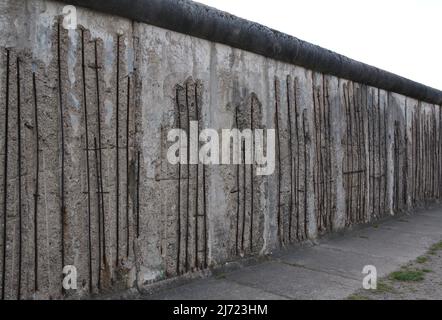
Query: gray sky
401	36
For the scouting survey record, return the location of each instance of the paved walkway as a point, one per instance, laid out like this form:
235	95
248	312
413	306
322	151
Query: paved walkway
330	270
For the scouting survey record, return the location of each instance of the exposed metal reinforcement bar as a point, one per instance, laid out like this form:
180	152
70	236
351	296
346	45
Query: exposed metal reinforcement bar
138	192
5	177
88	178
252	111
37	178
187	114
292	187
20	193
278	151
178	259
62	153
204	22
127	163
100	249
238	195
197	117
117	149
298	151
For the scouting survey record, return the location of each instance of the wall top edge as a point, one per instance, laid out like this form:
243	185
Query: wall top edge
207	23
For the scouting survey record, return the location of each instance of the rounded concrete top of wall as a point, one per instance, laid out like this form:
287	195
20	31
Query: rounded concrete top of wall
204	22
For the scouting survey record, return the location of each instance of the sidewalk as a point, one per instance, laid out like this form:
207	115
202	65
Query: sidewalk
330	270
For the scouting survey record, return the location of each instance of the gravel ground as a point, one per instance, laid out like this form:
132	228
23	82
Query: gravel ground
418	280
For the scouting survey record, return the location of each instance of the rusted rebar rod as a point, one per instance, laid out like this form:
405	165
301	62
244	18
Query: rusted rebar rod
252	111
37	180
20	195
306	166
99	148
329	149
178	259
5	176
347	151
205	217
289	117
243	197
278	150
88	182
62	151
117	150
378	110
298	151
238	193
197	177
127	154
186	255
97	176
385	149
138	192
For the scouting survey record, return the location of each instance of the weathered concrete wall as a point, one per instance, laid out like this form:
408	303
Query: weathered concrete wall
84	177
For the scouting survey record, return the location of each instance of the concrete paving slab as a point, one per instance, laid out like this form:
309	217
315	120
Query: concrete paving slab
424	228
394	242
338	262
402	253
399	237
431	210
330	270
295	282
427	219
214	289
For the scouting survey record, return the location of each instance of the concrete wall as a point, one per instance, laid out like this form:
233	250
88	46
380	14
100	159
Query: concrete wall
84	177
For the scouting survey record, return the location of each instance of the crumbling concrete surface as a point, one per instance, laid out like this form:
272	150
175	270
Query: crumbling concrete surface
84	178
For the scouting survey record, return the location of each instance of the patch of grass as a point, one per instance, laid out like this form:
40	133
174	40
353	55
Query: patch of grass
413	290
408	275
376	226
422	259
383	287
435	248
407	266
427	270
358	297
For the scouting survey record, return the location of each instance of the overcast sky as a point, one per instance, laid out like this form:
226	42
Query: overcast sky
401	36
